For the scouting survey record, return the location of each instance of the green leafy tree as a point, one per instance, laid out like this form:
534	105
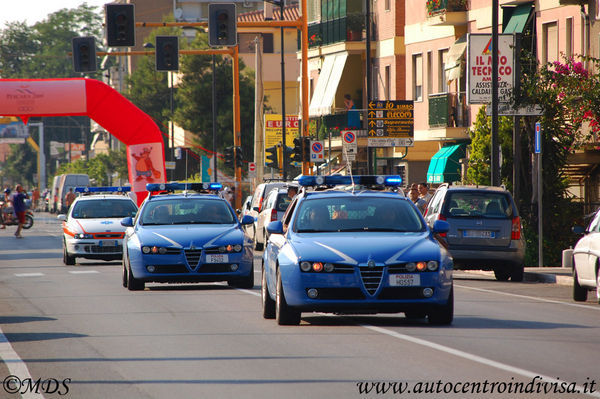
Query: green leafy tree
20	165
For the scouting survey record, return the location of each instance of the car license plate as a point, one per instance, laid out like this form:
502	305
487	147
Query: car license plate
108	243
479	234
218	258
405	280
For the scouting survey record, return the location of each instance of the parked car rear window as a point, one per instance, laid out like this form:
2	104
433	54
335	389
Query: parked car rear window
478	204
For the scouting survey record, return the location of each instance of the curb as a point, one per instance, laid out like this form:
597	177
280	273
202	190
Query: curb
548	278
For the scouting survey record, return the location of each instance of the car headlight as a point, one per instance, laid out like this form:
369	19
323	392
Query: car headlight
154	250
230	248
422	266
81	236
318	267
432	265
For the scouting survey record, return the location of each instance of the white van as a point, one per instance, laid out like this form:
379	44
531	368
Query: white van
66	182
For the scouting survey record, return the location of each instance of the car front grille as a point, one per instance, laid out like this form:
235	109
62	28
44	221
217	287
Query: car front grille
340	293
193	257
170	269
371	277
337	268
401	293
109	235
215	268
97	249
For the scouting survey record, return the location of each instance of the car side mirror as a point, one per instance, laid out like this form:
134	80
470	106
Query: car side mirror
127	222
247	219
238	212
441	226
62	217
255	208
578	229
275	227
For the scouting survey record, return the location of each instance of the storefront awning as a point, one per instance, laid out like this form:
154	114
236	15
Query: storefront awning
444	166
329	79
454	60
518	19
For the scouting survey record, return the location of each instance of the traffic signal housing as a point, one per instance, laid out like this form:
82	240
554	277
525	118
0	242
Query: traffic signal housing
306	149
229	156
167	53
120	25
297	150
272	160
239	157
288	157
222	24
84	54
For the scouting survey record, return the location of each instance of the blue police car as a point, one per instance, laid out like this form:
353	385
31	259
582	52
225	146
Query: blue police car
355	251
186	237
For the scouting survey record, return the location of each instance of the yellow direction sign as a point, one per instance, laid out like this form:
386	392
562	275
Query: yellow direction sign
391	123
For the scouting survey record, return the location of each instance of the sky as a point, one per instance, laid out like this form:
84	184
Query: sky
33	11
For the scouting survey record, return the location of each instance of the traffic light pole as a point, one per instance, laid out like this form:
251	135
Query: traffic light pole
237	136
283	115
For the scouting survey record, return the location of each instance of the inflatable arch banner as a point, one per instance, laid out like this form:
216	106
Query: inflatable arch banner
73	97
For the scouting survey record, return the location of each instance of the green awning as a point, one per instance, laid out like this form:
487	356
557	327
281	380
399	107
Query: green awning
444	166
518	19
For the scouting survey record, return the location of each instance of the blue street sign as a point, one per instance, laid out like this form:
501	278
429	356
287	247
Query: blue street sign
538	138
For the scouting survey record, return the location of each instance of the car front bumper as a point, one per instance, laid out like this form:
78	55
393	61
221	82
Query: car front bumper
109	249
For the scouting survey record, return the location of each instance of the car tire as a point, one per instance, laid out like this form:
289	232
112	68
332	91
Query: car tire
246	282
285	315
501	274
67	259
579	293
124	274
443	314
598	285
257	245
268	304
517	272
133	284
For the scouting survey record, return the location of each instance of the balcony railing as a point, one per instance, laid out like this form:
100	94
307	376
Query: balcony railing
328	32
442	6
448	110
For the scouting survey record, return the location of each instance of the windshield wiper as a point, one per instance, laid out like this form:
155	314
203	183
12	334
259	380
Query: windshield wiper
313	231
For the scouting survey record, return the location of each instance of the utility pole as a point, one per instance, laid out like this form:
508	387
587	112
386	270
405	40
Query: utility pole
495	167
369	77
283	116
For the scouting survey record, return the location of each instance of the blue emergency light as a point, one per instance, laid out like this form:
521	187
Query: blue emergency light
184	186
112	189
365	180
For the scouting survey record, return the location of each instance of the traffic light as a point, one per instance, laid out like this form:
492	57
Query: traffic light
84	54
272	160
287	157
306	149
297	150
239	157
120	25
167	53
222	24
229	156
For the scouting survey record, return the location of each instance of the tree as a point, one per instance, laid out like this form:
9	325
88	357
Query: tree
20	165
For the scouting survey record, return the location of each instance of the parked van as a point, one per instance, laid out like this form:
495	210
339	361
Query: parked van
66	182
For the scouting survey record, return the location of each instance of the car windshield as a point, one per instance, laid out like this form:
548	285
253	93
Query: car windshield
479	204
103	209
187	210
350	213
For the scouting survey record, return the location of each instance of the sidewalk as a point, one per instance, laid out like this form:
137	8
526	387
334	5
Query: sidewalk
548	275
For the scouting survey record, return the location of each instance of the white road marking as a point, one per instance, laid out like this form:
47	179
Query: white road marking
576	305
471	357
16	366
29	274
83	271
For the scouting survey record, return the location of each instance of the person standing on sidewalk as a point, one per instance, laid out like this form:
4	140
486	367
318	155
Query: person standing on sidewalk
18	200
69	198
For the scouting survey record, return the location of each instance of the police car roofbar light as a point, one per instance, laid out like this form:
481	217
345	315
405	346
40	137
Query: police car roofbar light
113	189
366	180
184	186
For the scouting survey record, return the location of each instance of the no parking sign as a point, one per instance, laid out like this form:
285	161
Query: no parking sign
316	151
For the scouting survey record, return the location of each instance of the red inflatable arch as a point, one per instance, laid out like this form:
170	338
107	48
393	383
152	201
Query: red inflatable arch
61	97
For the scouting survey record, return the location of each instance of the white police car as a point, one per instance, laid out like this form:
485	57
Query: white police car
92	228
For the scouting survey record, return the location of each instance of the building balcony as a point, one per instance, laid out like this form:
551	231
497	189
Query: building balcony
346	29
449	112
446	12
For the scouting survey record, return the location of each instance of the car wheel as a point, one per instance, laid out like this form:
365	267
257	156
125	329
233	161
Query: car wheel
28	222
124	274
598	285
67	259
516	273
501	274
243	282
133	284
257	245
285	315
443	314
268	304
579	293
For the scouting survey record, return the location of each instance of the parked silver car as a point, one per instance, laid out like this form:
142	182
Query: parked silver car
586	274
274	207
258	198
485	228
